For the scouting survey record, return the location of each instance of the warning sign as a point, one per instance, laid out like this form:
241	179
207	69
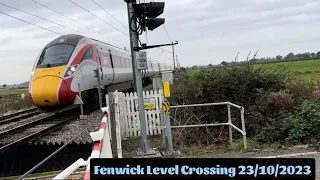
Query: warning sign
149	103
166	107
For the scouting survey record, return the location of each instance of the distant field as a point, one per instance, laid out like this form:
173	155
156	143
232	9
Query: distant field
14	91
309	70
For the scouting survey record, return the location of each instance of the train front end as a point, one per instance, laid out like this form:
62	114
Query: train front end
49	84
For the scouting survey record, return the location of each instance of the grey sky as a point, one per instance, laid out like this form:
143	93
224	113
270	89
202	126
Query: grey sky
208	31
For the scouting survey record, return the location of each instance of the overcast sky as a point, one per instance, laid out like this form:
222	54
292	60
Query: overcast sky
208	31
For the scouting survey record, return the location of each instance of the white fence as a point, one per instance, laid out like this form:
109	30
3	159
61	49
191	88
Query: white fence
128	116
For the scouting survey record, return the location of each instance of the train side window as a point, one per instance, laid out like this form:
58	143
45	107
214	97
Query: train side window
88	54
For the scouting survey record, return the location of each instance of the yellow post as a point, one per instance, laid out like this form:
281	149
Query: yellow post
166	89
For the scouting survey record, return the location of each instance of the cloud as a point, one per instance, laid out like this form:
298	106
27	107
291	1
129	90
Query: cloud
208	31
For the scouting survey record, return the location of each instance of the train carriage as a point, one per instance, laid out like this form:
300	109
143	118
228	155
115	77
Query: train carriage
69	61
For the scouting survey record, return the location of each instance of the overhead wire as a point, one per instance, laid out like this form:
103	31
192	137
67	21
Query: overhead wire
98	18
41	18
138	21
108	13
48	20
74	20
31	23
71	19
167	32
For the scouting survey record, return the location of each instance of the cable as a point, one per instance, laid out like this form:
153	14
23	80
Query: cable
98	17
66	17
42	18
31	23
167	33
39	26
74	20
131	19
108	13
165	50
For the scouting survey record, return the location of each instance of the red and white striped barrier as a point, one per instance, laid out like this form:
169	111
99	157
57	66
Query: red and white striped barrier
102	147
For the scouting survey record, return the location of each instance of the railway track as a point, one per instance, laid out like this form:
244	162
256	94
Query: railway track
41	126
19	115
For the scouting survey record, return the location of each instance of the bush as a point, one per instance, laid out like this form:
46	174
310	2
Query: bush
235	84
238	85
300	89
276	129
271	103
307	123
279	106
299	126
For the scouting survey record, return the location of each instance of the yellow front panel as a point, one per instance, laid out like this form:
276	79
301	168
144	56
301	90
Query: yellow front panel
54	71
45	85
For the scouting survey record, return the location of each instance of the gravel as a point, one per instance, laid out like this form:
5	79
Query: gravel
66	133
62	135
14	137
7	126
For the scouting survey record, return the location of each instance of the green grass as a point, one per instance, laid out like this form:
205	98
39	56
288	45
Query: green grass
294	66
14	91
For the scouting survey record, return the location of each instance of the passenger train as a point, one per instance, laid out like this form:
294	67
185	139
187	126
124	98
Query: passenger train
67	64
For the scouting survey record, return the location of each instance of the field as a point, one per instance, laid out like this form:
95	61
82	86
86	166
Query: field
14	91
7	104
309	69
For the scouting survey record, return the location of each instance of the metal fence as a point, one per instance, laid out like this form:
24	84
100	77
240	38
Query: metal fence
229	123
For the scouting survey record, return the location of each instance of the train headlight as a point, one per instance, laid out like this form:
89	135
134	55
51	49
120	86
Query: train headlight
70	70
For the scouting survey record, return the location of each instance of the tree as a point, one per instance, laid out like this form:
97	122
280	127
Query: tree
224	63
195	67
210	65
290	56
313	54
318	54
298	56
307	55
279	57
4	85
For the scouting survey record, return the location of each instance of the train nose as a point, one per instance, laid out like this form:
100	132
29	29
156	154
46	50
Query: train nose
47	91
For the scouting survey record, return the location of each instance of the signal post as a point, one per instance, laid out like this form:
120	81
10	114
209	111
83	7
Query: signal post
146	14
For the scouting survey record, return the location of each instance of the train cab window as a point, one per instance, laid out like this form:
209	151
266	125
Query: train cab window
88	54
56	55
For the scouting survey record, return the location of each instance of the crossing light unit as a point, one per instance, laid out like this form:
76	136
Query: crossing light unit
147	13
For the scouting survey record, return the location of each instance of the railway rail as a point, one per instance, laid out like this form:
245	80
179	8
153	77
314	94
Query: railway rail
42	126
19	115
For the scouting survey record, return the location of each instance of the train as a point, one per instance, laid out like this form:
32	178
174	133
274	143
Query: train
66	68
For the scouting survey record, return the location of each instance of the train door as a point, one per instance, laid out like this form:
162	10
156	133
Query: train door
112	74
99	63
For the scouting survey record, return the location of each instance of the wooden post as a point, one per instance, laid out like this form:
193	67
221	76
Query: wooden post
113	125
